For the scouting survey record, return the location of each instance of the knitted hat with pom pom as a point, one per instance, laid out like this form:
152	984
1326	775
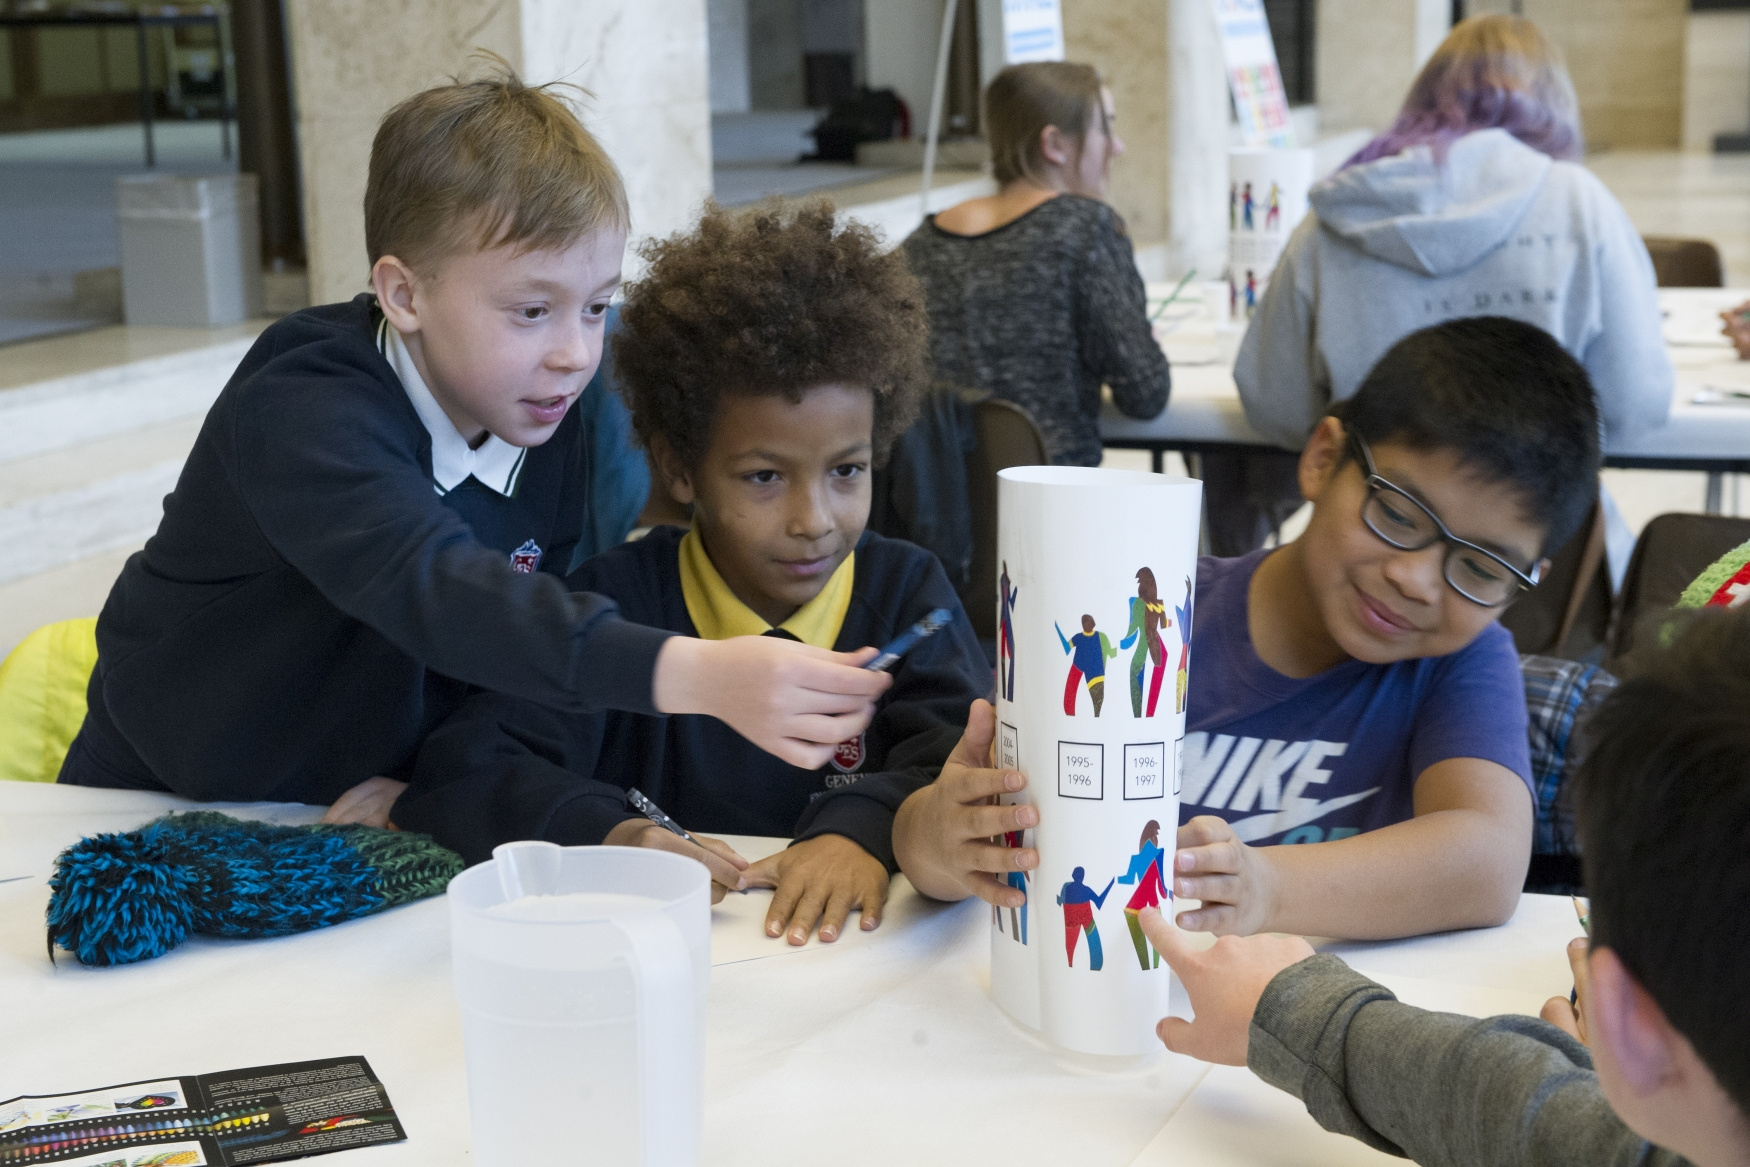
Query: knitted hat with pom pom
127	897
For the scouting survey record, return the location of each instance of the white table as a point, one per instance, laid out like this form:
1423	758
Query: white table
1204	410
882	1048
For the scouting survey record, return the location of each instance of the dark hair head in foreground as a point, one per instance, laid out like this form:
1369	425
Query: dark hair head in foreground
1663	800
1505	397
769	302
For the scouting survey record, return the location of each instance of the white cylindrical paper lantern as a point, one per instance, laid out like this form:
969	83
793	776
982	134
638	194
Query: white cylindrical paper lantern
1096	575
1266	201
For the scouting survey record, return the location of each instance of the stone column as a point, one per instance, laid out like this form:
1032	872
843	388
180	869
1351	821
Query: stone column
1163	63
1368	53
644	60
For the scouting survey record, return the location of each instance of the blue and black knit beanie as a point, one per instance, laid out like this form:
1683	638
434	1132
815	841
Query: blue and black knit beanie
120	898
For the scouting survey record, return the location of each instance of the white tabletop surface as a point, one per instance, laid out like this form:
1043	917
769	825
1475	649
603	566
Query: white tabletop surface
1205	405
883	1048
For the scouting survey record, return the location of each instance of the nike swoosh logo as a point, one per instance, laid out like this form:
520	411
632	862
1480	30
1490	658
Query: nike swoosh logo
1301	812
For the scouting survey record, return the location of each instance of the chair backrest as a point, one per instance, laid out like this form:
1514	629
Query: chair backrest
1673	549
1007	436
1685	263
42	698
1568	614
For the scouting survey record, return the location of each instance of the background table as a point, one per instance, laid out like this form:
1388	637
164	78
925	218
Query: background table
1204	411
882	1048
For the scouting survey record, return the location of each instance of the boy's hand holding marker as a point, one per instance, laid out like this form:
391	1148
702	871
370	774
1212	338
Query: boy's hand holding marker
792	700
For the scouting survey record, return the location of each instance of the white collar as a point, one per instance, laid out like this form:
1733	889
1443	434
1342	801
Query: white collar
495	464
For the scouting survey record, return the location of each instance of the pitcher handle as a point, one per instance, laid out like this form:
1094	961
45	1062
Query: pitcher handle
671	1080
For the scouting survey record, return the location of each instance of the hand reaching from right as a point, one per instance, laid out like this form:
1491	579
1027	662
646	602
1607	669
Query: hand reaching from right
791	700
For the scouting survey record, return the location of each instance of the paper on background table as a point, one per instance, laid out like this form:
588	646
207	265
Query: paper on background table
1091	563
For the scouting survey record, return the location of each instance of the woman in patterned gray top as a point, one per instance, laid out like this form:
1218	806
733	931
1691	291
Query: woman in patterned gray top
1033	292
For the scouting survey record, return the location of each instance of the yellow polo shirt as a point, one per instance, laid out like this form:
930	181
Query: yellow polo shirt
718	614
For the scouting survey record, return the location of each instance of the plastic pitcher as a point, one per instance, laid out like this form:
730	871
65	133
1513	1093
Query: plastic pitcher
581	973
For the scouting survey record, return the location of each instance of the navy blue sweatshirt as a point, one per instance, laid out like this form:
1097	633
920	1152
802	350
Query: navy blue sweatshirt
310	607
503	769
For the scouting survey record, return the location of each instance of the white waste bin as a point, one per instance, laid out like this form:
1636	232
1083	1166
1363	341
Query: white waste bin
191	249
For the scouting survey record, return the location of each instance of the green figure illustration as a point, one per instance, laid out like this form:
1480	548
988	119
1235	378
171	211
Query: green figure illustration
1184	615
1088	651
1148	616
1151	888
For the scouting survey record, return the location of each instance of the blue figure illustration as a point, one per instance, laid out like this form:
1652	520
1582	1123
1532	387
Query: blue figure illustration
1079	901
1246	205
1018	881
1088	651
1006	632
1184	615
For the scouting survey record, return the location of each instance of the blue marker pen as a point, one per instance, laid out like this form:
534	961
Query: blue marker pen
889	656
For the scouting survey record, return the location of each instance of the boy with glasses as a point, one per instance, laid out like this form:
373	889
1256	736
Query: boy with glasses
1352	691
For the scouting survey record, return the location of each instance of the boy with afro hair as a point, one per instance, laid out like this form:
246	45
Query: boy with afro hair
770	358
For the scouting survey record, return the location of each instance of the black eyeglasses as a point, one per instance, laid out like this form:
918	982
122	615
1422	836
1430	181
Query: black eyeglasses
1479	575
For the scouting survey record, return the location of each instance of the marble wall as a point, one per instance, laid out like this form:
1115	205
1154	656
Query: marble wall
1716	77
1368	52
643	60
1627	61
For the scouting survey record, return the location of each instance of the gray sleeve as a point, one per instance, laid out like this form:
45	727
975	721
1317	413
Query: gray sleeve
1444	1090
1118	340
1281	377
1627	361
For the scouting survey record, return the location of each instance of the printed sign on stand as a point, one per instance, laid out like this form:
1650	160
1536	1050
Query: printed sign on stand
1032	31
1252	74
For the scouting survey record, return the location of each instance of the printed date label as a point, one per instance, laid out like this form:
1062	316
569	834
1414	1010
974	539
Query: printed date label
1081	770
1145	764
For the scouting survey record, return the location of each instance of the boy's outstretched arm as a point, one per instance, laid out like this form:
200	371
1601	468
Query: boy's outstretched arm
1460	863
1443	1090
944	834
792	700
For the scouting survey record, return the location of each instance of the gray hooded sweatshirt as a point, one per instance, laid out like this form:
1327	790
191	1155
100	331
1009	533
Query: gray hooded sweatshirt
1401	243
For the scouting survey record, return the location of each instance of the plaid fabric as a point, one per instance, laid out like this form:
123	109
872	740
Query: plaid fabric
1558	696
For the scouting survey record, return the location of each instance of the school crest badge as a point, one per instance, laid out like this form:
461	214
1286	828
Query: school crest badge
848	757
525	559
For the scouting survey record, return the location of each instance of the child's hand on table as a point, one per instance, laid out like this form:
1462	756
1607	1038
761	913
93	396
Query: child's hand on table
945	835
792	700
821	880
1570	1016
368	803
1237	884
1224	982
719	858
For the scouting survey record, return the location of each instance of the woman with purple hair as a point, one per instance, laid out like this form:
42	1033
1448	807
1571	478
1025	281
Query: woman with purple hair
1473	203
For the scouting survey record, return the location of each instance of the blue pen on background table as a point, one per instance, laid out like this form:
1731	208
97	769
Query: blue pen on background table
905	641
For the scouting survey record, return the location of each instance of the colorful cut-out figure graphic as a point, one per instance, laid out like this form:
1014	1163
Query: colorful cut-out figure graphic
1148	615
1246	206
1151	887
1079	901
1251	293
1006	632
1233	206
1088	652
1273	211
1184	615
1018	881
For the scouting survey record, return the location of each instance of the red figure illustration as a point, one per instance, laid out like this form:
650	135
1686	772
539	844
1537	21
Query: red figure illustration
1151	888
1148	616
1018	881
1006	632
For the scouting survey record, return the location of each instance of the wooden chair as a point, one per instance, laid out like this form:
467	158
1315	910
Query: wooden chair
1007	436
1685	263
1673	549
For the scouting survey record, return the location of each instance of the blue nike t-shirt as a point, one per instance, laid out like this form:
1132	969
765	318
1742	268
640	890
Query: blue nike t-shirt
1332	755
